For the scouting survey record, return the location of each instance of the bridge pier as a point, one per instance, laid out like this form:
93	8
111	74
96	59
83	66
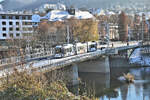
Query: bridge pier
75	75
99	65
67	74
121	60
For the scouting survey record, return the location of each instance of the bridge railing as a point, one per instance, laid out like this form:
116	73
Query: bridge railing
13	60
69	60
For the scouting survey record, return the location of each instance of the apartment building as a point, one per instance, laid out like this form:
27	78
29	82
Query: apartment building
113	31
15	25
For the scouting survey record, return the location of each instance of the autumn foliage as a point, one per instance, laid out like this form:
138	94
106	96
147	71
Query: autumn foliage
26	86
79	30
84	30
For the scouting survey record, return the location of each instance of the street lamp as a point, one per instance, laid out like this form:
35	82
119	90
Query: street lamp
68	35
107	35
147	22
129	34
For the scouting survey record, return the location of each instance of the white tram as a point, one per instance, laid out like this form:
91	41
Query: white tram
80	48
101	45
64	50
91	46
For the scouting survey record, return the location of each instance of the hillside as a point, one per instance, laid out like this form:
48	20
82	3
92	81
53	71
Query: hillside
32	4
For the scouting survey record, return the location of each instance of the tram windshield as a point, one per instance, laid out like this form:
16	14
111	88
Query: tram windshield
93	46
58	50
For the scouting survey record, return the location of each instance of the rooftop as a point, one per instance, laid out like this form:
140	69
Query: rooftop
16	13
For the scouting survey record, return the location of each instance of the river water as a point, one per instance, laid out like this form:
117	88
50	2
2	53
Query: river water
109	87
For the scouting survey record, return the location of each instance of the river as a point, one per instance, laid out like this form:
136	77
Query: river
109	87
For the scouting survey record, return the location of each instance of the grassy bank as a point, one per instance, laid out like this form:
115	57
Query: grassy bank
26	86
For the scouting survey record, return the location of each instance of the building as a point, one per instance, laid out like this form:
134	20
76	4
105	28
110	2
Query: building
136	29
57	6
15	25
113	31
123	26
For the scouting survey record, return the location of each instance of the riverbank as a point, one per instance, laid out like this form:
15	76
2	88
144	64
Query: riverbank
35	86
137	58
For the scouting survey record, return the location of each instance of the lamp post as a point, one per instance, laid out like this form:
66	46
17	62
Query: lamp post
147	22
107	35
129	34
142	31
68	35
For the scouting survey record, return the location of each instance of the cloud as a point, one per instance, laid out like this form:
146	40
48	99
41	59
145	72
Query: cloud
2	0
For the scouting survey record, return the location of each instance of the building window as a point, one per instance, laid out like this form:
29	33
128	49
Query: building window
10	17
23	23
27	29
4	29
10	23
17	34
11	35
10	29
17	29
30	23
17	23
3	23
27	23
3	17
23	17
29	17
4	35
30	28
17	17
24	29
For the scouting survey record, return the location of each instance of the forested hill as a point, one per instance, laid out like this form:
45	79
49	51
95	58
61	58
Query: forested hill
32	4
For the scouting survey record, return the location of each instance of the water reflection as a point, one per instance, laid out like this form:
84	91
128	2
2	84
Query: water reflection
108	87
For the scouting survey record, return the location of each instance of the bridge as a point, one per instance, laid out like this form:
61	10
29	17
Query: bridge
49	64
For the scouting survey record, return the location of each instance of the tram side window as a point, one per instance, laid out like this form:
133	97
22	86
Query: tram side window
68	50
71	49
65	51
81	48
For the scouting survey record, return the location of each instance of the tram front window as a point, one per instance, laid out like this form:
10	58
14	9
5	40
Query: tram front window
92	46
58	50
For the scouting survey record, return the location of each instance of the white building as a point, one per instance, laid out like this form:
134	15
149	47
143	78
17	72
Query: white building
15	25
57	6
61	15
